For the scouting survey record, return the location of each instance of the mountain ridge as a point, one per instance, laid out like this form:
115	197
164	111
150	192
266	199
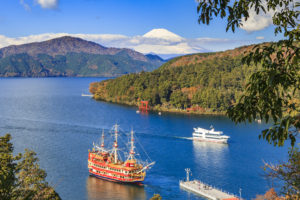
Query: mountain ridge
63	45
42	59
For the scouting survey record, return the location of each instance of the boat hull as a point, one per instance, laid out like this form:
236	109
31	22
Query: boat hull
107	178
221	141
211	135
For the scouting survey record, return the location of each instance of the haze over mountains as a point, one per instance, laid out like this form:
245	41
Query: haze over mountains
70	56
159	41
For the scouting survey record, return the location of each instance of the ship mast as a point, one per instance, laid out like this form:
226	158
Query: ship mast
102	140
116	143
131	153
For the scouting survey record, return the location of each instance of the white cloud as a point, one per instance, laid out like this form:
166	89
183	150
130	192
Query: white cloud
180	48
256	22
48	4
155	41
260	37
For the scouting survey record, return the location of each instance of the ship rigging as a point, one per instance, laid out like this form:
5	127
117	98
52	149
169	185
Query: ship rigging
108	163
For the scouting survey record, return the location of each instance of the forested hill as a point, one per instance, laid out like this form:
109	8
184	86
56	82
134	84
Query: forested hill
203	83
70	56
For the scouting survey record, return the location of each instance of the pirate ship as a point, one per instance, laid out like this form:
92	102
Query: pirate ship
107	163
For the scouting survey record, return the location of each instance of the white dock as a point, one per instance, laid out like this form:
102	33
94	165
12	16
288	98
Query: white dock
206	190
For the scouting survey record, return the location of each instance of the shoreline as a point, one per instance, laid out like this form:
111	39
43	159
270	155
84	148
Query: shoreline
166	110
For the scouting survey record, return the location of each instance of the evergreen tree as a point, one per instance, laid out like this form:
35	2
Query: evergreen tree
21	177
8	169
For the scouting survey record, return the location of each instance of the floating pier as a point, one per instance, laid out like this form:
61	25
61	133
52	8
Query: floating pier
205	190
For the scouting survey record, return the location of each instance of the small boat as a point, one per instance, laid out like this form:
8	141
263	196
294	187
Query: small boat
107	164
86	95
211	135
137	111
159	113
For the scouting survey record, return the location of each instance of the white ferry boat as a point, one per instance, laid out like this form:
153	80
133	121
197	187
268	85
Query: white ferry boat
211	135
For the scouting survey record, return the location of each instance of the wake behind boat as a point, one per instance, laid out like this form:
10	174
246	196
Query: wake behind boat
211	135
107	163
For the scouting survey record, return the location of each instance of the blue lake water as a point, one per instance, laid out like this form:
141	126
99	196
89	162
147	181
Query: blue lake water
49	116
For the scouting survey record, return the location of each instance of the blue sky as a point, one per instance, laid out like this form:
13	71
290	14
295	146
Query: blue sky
24	21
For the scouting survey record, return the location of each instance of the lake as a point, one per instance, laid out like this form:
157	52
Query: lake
49	116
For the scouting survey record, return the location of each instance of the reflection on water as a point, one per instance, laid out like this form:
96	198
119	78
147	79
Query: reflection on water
209	153
49	116
101	189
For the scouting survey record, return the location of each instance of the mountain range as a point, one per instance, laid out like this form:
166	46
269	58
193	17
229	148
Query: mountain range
70	56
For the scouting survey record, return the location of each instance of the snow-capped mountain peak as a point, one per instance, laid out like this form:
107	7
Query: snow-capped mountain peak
161	33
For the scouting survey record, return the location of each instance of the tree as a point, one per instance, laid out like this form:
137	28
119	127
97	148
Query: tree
8	168
272	93
269	195
31	179
288	173
156	197
21	177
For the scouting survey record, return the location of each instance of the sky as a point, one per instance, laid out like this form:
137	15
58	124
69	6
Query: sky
163	27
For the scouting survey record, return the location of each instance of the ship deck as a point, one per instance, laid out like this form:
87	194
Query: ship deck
207	190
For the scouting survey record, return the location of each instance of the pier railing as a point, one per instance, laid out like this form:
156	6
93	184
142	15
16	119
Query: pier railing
209	187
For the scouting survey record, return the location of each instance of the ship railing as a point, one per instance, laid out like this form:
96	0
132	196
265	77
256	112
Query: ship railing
213	187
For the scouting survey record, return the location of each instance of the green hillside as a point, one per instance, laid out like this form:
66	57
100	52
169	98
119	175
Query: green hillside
202	83
71	64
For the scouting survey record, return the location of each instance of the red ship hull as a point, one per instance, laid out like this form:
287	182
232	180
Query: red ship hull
107	178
